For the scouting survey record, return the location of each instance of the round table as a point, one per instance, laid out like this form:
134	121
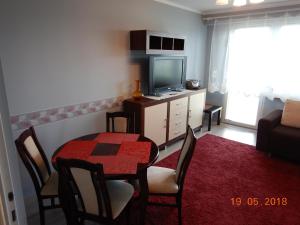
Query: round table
120	153
123	156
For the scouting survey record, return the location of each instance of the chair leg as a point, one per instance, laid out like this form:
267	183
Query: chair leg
142	216
42	215
128	214
178	200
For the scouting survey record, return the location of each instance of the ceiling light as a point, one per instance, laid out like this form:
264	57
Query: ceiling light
239	2
256	1
222	2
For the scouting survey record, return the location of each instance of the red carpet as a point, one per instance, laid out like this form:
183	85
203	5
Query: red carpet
222	169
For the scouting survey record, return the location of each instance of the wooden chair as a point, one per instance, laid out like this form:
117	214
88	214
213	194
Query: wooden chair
169	182
35	161
86	195
111	125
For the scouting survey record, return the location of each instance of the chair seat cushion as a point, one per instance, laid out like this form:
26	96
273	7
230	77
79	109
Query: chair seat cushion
162	180
120	193
50	189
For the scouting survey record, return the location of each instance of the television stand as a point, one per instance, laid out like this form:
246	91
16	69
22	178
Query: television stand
157	94
164	119
177	90
168	94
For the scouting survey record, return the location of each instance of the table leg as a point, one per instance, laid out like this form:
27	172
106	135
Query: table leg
210	115
219	116
144	193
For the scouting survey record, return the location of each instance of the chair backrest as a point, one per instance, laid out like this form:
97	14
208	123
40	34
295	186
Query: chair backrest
120	122
33	157
85	180
185	156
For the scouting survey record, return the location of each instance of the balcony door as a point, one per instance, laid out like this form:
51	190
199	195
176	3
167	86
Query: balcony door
246	70
242	110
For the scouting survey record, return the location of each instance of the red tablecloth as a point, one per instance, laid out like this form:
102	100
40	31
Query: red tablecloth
118	152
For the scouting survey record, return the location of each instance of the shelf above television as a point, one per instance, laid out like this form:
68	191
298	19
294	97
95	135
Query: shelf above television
153	42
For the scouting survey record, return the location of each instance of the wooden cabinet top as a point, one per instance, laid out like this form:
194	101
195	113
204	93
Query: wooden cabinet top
145	102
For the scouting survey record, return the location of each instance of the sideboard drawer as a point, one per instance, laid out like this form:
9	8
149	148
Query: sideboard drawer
178	117
178	104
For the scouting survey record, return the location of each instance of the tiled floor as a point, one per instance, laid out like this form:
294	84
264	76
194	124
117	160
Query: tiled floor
240	134
244	135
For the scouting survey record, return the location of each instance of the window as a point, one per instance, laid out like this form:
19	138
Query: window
261	61
256	56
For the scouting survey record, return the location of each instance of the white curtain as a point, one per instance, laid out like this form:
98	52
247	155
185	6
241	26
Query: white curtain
256	56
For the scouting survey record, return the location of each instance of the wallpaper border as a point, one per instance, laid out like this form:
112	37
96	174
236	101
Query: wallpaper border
23	121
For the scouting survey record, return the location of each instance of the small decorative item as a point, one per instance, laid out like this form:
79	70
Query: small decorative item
137	93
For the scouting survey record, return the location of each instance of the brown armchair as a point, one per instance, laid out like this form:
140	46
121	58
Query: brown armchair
277	139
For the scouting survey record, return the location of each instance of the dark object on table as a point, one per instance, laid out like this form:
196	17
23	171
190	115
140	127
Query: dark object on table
45	182
277	139
211	110
100	200
168	182
106	149
110	121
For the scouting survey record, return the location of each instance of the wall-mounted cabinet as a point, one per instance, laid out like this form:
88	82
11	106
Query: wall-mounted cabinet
156	42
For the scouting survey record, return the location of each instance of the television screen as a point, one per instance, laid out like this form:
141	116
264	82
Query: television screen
166	72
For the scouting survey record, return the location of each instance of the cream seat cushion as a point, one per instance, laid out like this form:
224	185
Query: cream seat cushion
51	186
291	114
161	180
120	193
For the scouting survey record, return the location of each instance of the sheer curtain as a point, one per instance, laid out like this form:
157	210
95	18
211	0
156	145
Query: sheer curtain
256	56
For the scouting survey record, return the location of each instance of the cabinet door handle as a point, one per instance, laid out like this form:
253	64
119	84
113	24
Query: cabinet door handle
165	126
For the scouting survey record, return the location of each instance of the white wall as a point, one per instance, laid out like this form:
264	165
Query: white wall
59	48
63	52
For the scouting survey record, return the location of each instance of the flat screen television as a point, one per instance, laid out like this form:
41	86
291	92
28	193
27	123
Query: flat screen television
166	73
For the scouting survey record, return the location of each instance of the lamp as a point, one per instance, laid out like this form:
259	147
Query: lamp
256	1
238	2
222	2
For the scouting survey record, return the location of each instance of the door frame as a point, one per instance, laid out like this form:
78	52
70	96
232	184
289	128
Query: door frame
3	213
6	187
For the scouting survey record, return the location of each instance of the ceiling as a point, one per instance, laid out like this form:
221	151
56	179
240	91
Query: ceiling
209	6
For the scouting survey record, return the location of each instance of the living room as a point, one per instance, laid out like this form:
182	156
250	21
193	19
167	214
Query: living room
64	64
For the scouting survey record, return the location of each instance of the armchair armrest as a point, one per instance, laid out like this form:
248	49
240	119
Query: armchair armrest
265	125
